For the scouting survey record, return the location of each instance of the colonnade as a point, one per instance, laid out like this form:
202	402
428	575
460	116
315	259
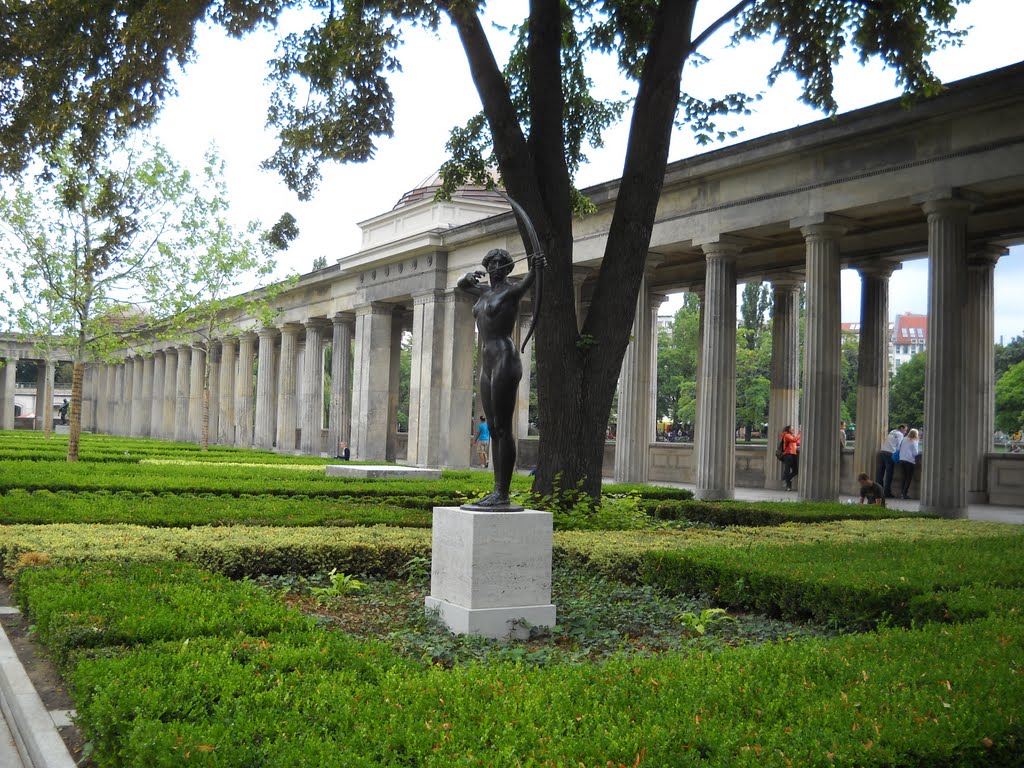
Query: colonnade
959	390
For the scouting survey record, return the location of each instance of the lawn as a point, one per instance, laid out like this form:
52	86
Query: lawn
238	608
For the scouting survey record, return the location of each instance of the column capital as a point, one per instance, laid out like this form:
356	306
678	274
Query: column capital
316	323
946	200
227	341
878	269
580	275
721	244
375	308
343	318
784	281
430	296
824	219
985	255
267	332
291	329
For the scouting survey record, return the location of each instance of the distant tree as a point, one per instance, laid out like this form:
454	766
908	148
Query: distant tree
202	286
80	238
755	308
906	393
677	363
404	382
1009	355
848	378
1010	399
753	387
320	262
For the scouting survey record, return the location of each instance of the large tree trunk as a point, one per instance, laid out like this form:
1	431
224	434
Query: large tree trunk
577	372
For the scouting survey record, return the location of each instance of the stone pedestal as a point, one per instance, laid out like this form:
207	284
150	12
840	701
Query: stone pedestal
490	569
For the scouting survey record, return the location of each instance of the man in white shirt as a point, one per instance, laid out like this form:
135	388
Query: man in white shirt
885	464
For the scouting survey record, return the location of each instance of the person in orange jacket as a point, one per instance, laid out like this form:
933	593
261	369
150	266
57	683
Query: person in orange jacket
790	455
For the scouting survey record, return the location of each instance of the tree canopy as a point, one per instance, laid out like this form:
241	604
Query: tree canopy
100	70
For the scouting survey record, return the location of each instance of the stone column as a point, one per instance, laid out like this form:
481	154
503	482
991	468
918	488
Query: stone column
523	395
457	380
698	291
146	396
819	447
398	321
156	405
944	474
339	428
579	277
872	367
182	392
121	397
716	403
170	393
103	395
313	388
245	397
44	394
979	369
784	397
370	381
287	404
428	338
195	397
637	379
7	386
266	405
226	385
137	367
213	420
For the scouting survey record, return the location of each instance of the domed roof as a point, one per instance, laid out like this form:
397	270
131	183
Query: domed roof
427	188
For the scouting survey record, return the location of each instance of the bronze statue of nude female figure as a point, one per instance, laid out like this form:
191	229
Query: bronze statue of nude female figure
496	310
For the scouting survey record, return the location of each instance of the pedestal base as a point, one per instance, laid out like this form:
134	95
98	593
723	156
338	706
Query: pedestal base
490	572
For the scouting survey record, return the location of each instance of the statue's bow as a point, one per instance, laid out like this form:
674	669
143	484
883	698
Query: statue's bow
535	250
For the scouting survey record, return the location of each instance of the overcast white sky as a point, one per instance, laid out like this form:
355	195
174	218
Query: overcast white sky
223	99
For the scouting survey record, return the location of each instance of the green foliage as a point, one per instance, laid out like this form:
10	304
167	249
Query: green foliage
677	363
1008	355
937	695
341	584
699	623
726	513
1010	399
116	604
854	586
906	392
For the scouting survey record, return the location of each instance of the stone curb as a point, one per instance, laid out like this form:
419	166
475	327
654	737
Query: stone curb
38	742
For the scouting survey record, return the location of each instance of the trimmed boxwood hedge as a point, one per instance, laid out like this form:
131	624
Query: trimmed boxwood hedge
201	691
726	513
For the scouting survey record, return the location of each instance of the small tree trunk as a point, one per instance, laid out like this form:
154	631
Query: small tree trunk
75	415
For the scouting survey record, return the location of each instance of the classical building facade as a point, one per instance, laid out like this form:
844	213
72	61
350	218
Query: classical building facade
866	190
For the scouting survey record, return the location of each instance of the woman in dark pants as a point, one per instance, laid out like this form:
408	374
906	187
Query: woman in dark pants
790	458
910	449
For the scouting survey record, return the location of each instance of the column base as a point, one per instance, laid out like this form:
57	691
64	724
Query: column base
977	497
489	570
950	513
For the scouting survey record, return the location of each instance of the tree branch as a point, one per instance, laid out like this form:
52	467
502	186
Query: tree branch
729	15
